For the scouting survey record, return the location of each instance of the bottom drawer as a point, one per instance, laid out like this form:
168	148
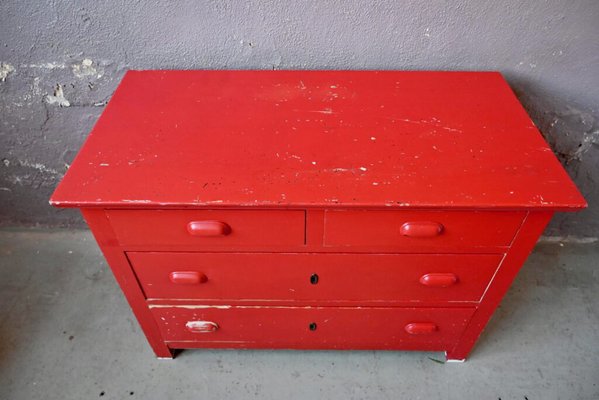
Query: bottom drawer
312	327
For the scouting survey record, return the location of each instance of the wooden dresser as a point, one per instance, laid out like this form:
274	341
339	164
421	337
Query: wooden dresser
315	209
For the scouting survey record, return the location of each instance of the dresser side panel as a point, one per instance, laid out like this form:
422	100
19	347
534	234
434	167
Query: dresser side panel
117	260
523	244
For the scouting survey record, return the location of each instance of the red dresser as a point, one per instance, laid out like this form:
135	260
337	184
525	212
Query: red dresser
315	209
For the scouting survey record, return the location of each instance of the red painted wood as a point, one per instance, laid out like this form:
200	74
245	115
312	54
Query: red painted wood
436	279
526	239
265	277
97	221
316	139
386	228
187	277
315	209
314	245
421	229
337	328
421	328
208	228
171	227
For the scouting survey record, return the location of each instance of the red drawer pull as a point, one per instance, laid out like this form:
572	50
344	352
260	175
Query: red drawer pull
439	279
201	326
421	229
420	328
187	277
208	228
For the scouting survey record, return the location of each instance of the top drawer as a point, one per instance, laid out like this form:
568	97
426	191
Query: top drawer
421	230
208	229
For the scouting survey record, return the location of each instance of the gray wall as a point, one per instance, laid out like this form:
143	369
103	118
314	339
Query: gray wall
62	60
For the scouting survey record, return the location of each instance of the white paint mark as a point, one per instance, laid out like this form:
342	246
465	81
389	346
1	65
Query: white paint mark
569	239
199	326
451	129
135	201
5	69
39	167
48	65
190	307
372	138
363	169
58	98
85	69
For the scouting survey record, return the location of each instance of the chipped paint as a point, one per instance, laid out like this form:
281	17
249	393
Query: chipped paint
136	201
5	70
85	69
569	239
46	65
58	98
190	307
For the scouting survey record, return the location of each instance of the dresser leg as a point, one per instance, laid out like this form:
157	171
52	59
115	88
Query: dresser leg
163	352
454	357
522	245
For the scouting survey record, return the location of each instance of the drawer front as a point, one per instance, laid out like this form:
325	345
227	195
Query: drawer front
205	229
421	230
314	327
312	276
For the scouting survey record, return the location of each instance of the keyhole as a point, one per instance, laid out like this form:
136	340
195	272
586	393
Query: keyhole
312	326
314	279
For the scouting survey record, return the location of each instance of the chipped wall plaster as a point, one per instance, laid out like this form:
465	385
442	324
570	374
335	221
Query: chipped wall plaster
58	97
5	70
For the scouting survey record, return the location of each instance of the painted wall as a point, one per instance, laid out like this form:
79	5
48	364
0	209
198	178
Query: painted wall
62	60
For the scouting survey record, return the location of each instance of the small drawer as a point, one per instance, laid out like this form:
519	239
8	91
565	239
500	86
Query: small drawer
314	277
421	231
314	327
207	229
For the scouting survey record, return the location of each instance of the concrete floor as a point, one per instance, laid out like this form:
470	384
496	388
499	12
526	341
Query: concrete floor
67	333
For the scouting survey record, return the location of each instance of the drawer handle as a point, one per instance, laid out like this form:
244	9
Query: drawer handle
420	328
201	326
421	229
208	228
439	279
187	277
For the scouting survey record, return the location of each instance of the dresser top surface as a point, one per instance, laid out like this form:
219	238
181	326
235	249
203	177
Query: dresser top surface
316	139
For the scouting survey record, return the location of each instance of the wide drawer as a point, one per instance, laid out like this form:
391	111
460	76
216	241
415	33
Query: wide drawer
313	276
314	327
421	230
205	229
